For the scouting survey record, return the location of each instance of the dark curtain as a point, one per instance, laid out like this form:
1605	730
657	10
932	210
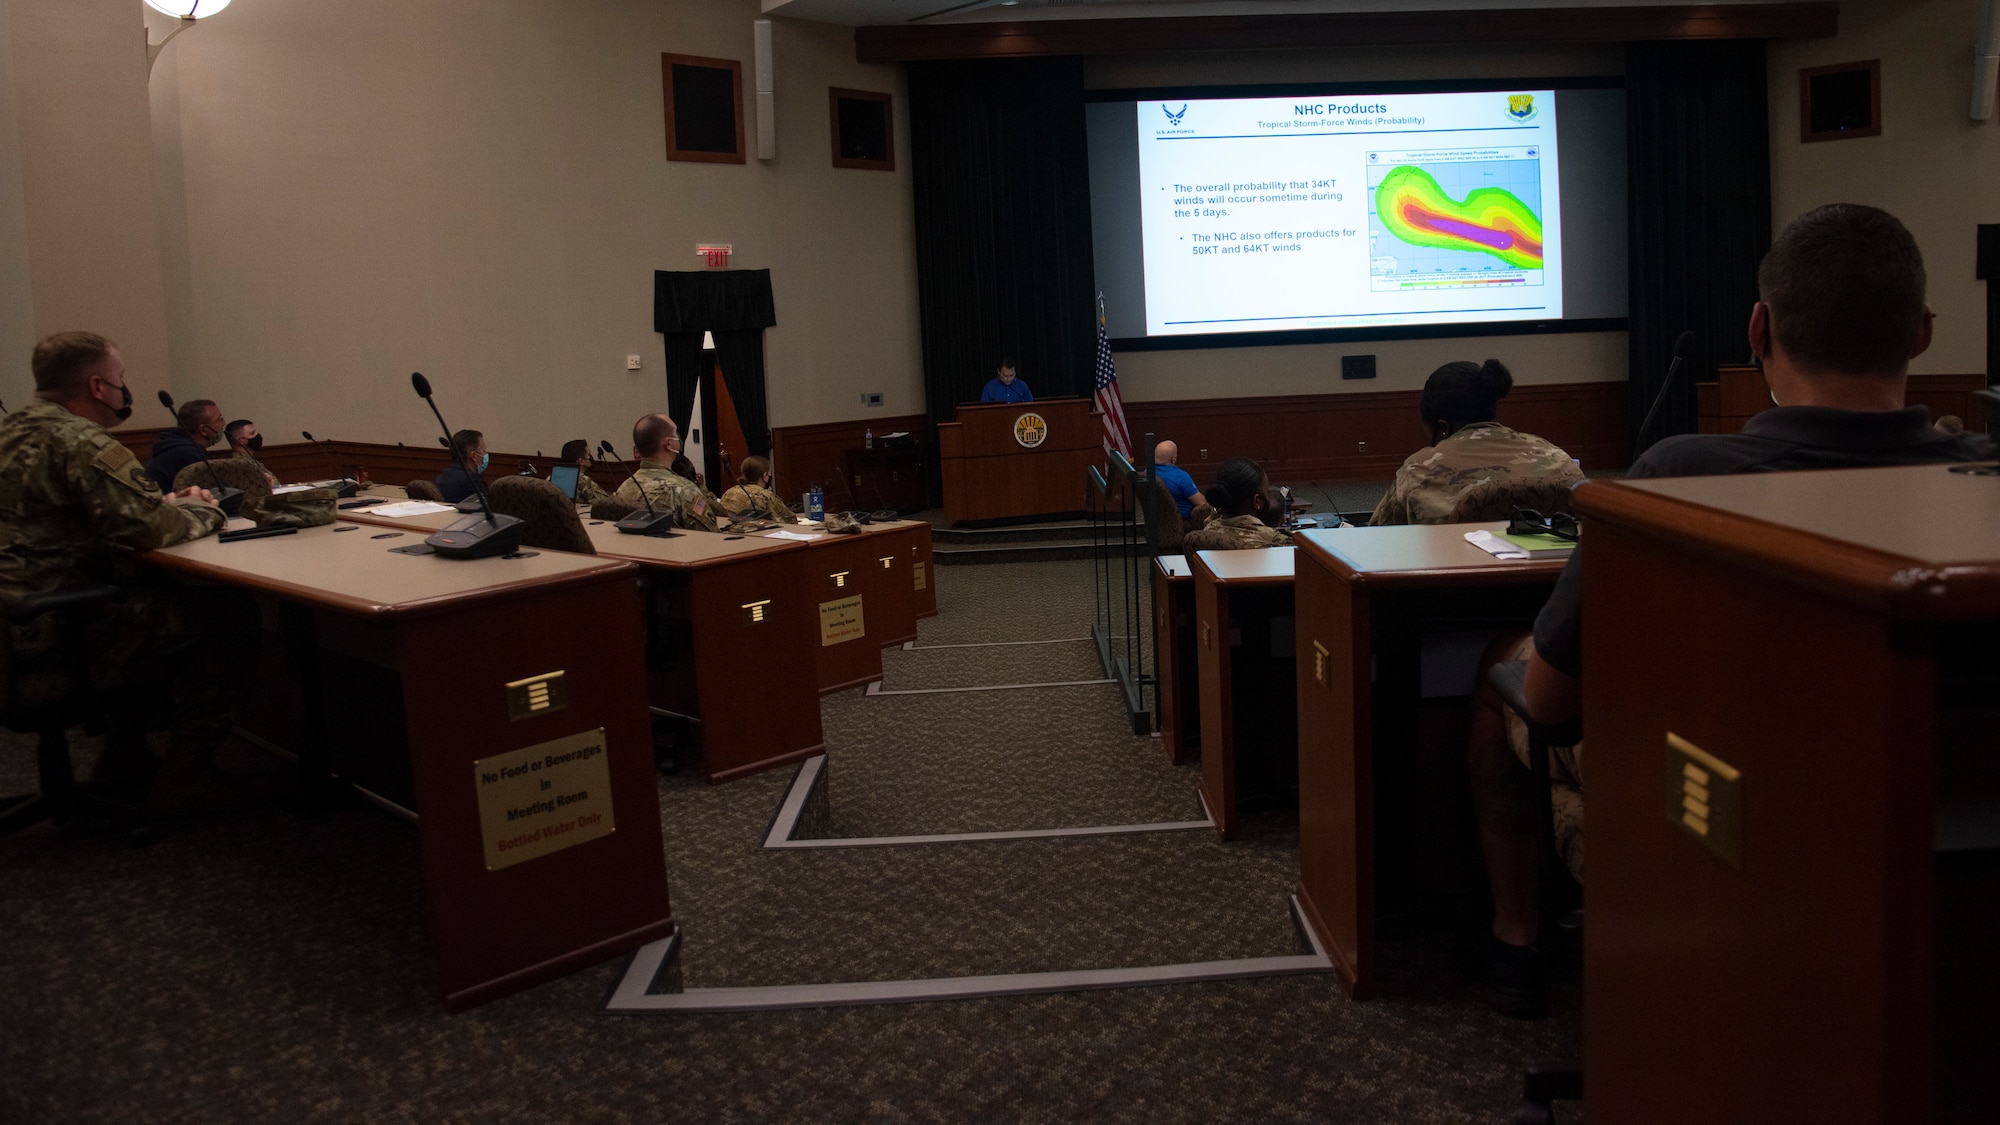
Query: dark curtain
741	354
1700	212
999	160
734	305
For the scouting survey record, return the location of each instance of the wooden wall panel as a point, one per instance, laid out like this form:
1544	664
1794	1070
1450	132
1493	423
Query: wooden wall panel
805	455
1367	436
1740	393
396	464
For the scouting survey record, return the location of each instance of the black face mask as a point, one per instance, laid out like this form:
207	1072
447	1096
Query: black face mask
255	443
125	411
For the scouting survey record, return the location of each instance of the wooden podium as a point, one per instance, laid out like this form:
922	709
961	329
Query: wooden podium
1018	460
1794	853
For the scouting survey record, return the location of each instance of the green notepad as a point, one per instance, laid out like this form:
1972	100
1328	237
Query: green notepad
1540	546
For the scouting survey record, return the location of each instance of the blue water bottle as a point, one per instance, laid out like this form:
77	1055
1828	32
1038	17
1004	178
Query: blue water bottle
815	504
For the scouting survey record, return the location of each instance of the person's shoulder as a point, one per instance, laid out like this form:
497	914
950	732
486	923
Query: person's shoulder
1702	455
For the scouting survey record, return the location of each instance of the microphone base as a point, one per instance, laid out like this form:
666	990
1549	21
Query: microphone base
657	524
470	504
230	500
475	537
346	488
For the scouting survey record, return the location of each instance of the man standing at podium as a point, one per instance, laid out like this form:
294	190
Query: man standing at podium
1005	386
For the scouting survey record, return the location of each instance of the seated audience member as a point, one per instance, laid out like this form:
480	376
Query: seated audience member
200	423
1467	447
1005	386
655	440
244	443
1187	497
1839	316
577	452
753	494
1243	512
76	509
454	483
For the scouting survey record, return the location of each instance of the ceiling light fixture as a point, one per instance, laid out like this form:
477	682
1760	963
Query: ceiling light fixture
186	11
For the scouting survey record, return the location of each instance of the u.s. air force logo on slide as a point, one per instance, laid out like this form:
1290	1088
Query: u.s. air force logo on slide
1031	430
1521	107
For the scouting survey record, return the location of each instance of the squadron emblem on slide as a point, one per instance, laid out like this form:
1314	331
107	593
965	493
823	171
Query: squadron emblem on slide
1521	107
1030	430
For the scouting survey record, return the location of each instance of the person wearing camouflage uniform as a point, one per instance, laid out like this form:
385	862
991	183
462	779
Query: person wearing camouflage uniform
76	507
1242	513
1235	533
577	452
1468	448
655	440
753	494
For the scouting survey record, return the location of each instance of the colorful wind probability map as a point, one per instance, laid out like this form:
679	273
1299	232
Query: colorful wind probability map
1415	209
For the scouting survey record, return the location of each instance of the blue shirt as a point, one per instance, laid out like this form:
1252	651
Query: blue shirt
1180	484
997	391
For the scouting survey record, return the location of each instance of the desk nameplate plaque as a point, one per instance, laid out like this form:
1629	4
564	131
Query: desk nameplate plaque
541	799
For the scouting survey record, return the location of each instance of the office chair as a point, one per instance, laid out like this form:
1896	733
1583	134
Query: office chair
424	490
1544	1083
550	517
1168	529
46	695
1500	499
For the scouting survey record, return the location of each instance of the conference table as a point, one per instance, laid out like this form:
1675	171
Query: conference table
1178	696
1366	598
518	738
1794	796
1243	623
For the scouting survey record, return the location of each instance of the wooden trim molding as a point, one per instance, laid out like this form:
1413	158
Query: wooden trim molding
1327	30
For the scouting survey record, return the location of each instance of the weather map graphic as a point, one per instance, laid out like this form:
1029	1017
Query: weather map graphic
1443	222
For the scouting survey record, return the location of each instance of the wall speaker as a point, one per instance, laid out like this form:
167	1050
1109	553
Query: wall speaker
767	93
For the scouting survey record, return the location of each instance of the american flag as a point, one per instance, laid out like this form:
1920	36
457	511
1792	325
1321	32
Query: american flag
1116	437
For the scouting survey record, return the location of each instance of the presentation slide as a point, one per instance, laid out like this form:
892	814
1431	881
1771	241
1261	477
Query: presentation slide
1278	214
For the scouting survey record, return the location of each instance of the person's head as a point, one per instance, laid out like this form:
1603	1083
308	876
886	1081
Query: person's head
755	470
201	420
243	436
471	446
1240	489
1840	294
576	452
655	438
1005	370
684	467
1166	453
82	373
1462	393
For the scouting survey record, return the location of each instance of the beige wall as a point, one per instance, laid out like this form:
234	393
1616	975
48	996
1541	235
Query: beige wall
79	244
1933	166
1401	365
478	190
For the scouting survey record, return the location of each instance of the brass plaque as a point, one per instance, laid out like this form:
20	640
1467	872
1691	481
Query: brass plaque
839	579
537	695
756	613
918	569
542	799
1319	664
840	621
888	562
1704	798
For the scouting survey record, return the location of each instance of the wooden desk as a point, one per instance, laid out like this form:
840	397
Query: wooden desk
1246	688
1178	659
989	475
885	477
447	638
1364	597
1828	635
737	638
879	565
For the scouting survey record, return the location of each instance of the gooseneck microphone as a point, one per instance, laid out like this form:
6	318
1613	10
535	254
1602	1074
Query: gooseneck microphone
344	486
610	454
482	534
228	499
1681	347
658	524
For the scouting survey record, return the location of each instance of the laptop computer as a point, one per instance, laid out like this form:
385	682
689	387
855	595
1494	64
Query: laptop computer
564	477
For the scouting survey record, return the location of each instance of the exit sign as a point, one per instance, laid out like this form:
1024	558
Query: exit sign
714	257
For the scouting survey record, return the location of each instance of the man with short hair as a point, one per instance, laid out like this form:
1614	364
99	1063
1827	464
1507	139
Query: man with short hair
655	486
244	442
200	424
577	452
75	507
1839	316
455	483
1178	482
1005	385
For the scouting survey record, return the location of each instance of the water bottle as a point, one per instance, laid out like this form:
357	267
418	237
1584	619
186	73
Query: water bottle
815	504
868	438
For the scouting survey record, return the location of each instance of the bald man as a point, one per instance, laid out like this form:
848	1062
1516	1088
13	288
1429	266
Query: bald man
1186	495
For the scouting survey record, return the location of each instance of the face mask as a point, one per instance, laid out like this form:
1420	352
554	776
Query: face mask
485	459
255	443
125	411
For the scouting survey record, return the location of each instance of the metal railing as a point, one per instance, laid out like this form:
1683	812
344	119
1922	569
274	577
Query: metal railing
1124	513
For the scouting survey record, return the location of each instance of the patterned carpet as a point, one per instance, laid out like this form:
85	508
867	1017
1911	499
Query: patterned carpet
265	966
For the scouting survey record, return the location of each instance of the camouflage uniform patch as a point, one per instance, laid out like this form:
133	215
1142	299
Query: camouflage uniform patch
1235	533
1431	483
745	497
666	491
